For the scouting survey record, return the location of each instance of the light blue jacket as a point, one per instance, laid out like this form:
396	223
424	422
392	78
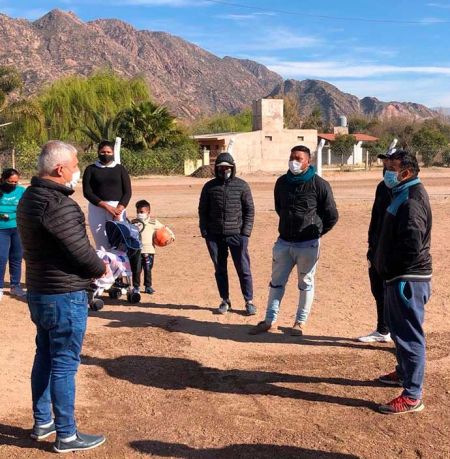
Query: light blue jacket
8	206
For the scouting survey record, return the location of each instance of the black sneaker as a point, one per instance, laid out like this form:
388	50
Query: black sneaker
224	307
149	290
81	443
250	308
41	433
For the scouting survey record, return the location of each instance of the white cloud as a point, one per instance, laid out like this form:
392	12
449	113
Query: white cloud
347	69
237	17
431	92
439	5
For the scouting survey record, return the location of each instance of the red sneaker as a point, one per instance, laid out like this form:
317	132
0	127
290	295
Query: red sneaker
391	379
401	405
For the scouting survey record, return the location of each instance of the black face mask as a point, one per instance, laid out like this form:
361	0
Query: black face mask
8	187
105	159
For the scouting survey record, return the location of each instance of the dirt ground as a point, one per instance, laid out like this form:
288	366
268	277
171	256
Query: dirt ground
168	378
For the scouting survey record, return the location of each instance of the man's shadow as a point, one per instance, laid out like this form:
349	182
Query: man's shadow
223	331
20	438
241	451
180	374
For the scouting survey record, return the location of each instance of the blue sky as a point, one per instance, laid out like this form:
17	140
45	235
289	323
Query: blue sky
393	50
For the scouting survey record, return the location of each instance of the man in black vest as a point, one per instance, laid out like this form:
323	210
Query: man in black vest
227	213
305	204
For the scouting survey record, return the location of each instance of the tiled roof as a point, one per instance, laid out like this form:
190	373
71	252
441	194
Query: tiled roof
359	137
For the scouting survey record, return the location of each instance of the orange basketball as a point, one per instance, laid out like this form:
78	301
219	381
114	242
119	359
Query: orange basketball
162	237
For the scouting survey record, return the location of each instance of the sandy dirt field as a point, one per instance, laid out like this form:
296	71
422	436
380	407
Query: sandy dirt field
168	378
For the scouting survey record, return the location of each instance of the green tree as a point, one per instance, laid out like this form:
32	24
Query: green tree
428	142
224	122
10	80
72	103
314	120
104	127
292	118
343	145
146	125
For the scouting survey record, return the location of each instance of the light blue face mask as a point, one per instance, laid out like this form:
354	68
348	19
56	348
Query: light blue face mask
391	179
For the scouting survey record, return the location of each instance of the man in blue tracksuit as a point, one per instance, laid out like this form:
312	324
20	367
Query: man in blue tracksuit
404	262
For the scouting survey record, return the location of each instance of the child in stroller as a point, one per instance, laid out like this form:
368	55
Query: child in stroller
125	242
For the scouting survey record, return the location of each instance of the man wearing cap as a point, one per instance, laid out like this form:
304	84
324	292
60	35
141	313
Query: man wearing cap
226	214
305	204
383	197
403	261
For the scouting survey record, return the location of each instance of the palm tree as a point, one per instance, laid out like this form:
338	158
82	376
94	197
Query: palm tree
146	125
104	127
10	80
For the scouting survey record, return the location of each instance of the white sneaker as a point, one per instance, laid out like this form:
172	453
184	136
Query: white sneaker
17	290
375	337
1	294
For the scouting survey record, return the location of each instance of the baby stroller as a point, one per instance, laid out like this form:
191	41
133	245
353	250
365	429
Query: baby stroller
125	241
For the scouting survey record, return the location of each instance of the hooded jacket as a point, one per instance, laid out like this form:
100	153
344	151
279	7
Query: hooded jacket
57	252
226	206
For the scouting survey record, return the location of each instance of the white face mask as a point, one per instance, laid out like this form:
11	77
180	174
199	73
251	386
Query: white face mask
295	167
75	179
142	216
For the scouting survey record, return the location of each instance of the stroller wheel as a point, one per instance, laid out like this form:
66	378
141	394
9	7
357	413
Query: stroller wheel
133	297
115	293
96	304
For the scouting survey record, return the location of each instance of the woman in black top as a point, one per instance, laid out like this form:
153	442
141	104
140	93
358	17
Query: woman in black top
107	187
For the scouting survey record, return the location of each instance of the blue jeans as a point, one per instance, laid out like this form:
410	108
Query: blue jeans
10	250
286	255
405	309
60	320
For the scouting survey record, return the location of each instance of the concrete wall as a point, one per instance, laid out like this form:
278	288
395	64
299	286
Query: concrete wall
268	115
269	151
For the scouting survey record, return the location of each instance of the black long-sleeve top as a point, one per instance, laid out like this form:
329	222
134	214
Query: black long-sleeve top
107	184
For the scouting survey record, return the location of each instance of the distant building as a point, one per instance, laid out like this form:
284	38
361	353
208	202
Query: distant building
266	148
332	157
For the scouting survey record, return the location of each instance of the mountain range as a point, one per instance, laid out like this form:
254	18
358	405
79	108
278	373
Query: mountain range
191	81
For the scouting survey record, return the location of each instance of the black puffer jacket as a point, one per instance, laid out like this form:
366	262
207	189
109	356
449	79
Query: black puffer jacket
306	209
226	206
57	252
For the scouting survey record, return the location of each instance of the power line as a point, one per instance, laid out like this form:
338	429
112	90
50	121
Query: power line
328	17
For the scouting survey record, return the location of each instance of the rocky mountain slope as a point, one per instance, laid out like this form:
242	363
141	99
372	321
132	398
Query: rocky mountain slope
333	102
190	80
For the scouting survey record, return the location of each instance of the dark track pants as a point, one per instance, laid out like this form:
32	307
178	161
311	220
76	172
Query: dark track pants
377	289
405	309
218	247
142	262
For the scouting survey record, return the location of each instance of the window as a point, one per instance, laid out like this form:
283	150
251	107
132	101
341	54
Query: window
301	138
268	137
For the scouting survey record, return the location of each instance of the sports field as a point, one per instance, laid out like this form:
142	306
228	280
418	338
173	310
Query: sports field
168	378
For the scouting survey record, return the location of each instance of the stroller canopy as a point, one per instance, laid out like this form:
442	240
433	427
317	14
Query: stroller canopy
123	236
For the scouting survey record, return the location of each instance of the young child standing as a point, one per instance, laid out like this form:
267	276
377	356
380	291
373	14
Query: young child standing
144	259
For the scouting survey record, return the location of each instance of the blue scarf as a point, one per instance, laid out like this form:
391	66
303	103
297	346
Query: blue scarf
300	178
